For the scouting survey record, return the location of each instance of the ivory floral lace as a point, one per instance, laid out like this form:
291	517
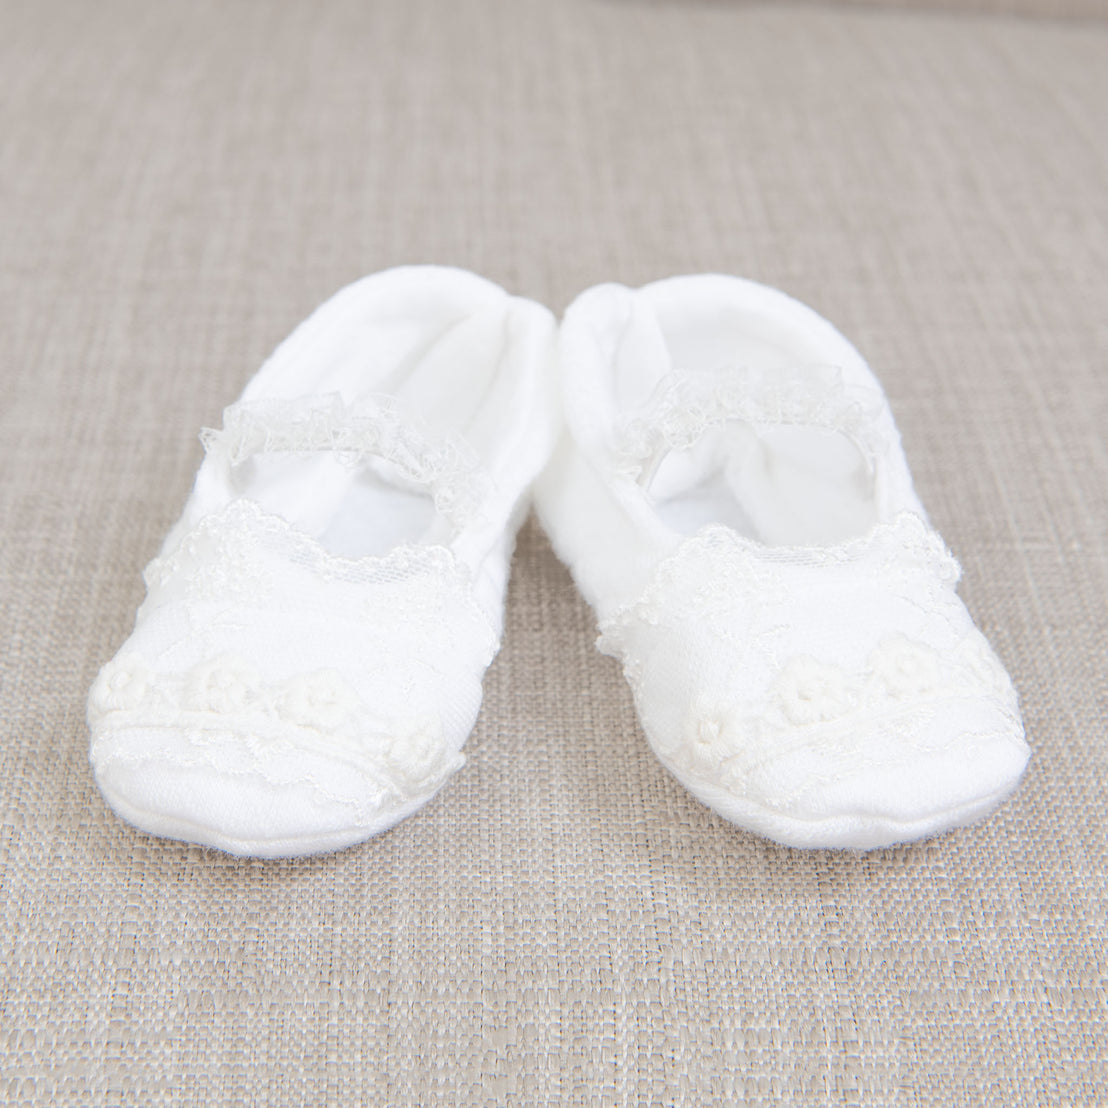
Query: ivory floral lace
372	427
404	624
766	687
686	405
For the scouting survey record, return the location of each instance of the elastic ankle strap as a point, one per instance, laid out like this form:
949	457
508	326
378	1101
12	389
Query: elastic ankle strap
686	405
371	428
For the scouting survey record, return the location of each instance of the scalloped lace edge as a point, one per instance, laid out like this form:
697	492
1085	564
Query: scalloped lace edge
371	427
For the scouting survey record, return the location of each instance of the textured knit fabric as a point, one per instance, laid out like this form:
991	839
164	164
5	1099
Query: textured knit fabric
181	184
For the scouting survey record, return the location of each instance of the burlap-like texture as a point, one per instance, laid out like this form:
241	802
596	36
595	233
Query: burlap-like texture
182	183
1040	9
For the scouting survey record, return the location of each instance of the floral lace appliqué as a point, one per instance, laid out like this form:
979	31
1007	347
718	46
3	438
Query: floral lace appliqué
900	676
810	691
224	702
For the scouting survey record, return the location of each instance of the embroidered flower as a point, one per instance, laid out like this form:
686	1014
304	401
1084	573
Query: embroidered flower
811	691
904	667
416	758
225	684
322	700
703	750
120	686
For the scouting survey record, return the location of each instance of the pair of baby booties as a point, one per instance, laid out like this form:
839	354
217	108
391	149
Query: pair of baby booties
714	462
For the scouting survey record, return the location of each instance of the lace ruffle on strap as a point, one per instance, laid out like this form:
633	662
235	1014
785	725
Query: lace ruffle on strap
686	405
371	428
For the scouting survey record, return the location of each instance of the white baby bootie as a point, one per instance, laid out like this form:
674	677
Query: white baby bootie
732	499
308	660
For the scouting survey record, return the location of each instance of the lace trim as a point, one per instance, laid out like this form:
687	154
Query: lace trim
228	535
812	701
724	594
906	537
686	405
727	563
221	559
229	711
373	427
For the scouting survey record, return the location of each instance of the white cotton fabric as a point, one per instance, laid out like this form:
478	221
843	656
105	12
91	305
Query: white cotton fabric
308	661
732	498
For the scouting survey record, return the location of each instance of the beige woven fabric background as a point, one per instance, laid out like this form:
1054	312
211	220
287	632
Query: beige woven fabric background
1040	9
182	183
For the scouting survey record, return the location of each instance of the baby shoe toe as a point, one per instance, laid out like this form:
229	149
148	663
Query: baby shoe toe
263	792
215	755
915	773
858	782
